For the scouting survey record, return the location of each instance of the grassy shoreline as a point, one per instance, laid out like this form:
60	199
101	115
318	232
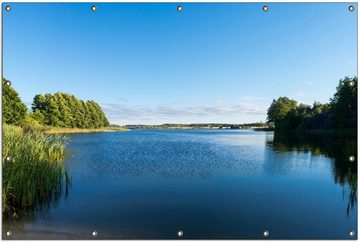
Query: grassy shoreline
54	130
35	174
32	168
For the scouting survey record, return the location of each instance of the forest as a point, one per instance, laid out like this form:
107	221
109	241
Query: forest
340	114
58	110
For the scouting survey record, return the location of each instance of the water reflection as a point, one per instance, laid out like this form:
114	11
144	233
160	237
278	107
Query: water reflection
147	184
41	209
336	147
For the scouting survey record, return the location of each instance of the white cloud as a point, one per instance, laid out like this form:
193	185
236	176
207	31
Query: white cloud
120	113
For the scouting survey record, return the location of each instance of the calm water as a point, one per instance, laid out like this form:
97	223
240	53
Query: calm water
210	184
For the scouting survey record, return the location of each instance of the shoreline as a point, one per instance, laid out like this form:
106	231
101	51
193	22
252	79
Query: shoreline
83	131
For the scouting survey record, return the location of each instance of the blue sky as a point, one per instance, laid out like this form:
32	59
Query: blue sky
149	64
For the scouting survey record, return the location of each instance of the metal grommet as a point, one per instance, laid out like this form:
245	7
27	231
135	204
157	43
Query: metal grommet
8	158
351	83
351	8
352	233
179	8
93	8
8	83
180	233
266	233
265	8
94	233
8	8
351	158
8	233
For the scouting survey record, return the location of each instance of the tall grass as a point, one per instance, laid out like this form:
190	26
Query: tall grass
35	174
55	130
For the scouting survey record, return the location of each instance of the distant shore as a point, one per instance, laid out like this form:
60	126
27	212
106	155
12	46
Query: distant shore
81	131
202	128
208	126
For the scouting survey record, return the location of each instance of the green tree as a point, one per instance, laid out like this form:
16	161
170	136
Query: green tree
95	116
38	108
14	110
319	108
320	116
39	103
65	110
53	112
279	109
344	103
340	113
80	114
102	120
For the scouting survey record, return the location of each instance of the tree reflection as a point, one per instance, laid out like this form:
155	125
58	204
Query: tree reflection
336	147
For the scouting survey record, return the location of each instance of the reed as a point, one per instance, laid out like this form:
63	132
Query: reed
35	174
55	130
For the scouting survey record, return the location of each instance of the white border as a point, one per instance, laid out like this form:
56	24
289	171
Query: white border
188	1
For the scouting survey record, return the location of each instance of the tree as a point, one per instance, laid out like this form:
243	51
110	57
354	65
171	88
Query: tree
341	113
14	110
53	112
320	116
39	103
95	115
65	110
344	103
319	108
279	109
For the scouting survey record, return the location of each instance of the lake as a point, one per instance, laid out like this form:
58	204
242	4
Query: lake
210	184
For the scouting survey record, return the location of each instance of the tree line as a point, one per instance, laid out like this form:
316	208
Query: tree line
58	110
340	113
196	126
